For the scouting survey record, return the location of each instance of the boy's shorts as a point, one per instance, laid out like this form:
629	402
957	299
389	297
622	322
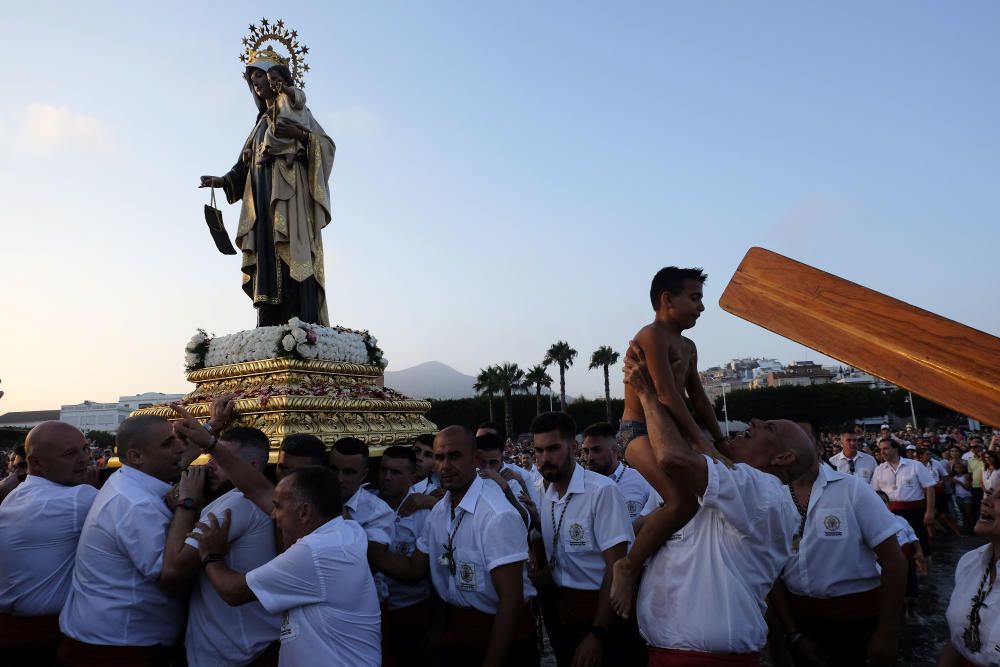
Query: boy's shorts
629	431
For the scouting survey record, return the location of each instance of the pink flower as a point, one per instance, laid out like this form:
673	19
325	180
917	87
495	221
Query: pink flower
311	336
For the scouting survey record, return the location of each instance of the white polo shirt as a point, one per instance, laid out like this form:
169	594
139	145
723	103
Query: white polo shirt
634	488
904	531
406	530
590	518
219	635
904	484
40	524
323	590
864	465
845	521
116	598
705	589
427	485
968	574
487	532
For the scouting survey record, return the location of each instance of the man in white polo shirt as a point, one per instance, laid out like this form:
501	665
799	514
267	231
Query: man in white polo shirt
321	585
475	546
833	579
702	597
410	607
852	461
910	487
600	454
40	524
219	635
586	528
119	610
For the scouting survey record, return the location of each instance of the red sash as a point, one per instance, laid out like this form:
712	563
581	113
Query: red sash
675	657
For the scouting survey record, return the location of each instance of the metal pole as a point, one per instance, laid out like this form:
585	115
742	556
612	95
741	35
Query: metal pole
550	400
913	412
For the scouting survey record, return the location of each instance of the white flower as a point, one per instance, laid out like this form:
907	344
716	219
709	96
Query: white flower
299	335
288	342
383	363
191	359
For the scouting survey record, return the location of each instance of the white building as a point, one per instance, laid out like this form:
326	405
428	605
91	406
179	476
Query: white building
93	416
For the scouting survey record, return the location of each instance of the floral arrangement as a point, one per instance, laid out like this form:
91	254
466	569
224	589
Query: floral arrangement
295	339
329	390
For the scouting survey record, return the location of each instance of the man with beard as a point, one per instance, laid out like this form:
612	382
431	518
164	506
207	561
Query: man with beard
600	454
40	524
702	599
474	545
586	529
218	634
120	609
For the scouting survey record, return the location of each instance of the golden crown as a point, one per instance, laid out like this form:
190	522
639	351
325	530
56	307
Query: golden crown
259	50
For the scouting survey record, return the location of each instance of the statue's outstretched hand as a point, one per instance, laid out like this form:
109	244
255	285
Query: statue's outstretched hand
211	182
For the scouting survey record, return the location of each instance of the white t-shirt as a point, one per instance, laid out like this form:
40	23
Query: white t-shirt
486	532
406	530
968	575
705	589
219	635
376	518
591	518
116	598
904	484
325	593
864	465
427	485
634	487
991	480
845	521
40	524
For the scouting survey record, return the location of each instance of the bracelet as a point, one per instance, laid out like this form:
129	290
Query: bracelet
600	633
211	446
792	638
212	558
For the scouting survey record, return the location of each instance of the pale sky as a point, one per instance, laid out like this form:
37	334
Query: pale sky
507	174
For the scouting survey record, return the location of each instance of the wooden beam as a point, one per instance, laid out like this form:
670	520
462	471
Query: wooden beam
940	359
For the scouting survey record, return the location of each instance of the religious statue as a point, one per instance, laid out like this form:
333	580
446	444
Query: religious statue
281	177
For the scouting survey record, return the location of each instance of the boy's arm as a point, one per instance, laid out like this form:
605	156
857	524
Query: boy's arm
704	411
667	392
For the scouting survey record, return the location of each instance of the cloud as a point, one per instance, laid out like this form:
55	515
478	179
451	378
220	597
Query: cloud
356	120
48	129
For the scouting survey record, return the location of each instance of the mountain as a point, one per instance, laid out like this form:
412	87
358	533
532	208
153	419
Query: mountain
431	379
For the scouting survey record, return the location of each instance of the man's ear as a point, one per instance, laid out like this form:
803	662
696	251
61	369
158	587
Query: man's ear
132	456
303	511
784	458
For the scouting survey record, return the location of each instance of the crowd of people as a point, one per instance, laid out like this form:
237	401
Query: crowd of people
663	542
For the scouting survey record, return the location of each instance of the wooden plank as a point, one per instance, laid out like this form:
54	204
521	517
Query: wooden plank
930	355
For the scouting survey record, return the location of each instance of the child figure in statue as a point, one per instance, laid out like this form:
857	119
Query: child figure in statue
290	103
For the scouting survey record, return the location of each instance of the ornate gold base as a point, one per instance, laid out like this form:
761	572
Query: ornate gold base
326	399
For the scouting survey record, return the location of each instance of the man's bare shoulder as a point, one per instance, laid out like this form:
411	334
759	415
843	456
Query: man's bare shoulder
689	344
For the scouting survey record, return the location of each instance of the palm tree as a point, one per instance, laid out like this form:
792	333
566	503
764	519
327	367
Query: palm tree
509	377
604	356
487	385
536	378
561	354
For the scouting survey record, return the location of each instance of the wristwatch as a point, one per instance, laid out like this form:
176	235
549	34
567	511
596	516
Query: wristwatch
188	504
212	558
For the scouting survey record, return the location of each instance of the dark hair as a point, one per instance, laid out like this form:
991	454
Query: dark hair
250	440
425	439
554	421
491	425
131	433
892	443
19	450
489	442
304	444
318	486
404	453
599	430
352	447
283	72
671	280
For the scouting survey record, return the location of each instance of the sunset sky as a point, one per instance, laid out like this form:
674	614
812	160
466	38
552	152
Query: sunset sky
507	174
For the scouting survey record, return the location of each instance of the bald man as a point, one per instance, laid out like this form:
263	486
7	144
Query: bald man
120	609
703	595
40	524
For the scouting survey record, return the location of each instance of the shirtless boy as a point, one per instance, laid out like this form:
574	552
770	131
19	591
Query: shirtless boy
676	296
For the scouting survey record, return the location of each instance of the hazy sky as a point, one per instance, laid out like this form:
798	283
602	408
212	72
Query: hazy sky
508	174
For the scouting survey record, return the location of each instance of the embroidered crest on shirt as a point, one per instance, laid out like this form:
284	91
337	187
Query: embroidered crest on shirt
467	577
832	525
577	536
287	629
633	507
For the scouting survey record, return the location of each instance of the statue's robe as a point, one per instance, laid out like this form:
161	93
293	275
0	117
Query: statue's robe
284	212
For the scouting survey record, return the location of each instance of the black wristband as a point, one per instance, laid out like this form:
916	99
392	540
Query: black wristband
212	558
599	632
